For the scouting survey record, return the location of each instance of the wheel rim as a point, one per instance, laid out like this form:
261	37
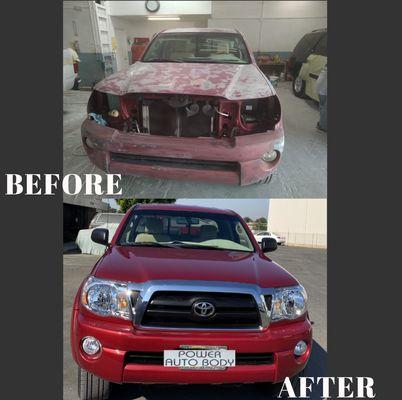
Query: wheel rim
298	84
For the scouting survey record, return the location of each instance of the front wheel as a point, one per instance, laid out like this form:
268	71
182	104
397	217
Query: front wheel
91	387
266	180
299	87
274	389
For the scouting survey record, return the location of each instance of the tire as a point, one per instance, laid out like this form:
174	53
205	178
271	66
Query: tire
274	389
299	87
91	387
266	180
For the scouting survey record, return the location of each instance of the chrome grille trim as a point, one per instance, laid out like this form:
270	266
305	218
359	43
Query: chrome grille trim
147	289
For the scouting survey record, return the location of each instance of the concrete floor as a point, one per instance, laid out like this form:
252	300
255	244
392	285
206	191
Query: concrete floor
308	265
302	172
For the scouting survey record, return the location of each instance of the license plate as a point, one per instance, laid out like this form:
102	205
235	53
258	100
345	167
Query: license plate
207	358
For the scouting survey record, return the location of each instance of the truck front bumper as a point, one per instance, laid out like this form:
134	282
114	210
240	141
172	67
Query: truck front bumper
232	161
119	340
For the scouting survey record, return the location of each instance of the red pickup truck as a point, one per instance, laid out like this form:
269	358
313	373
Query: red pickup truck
171	305
195	107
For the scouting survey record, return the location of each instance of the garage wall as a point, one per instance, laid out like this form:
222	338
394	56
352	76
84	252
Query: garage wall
135	27
78	34
145	28
270	26
303	222
118	8
75	217
76	27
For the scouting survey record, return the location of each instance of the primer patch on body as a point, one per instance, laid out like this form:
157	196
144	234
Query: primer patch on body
231	81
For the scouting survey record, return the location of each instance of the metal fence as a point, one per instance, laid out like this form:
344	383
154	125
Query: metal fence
304	239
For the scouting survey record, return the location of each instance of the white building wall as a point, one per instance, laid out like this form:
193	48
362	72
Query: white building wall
303	222
270	26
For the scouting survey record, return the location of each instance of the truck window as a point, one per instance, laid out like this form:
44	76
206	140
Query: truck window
306	44
221	231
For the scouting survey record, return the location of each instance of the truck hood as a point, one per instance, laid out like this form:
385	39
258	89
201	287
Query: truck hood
141	264
231	81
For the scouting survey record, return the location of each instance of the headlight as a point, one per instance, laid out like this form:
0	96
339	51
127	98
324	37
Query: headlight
107	298
91	346
270	156
288	303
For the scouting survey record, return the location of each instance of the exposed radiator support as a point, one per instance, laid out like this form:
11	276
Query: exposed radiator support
145	118
178	123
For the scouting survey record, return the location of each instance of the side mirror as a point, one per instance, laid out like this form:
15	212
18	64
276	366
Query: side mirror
268	244
100	235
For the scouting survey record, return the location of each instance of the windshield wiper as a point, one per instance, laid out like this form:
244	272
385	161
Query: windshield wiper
149	244
163	60
207	60
177	243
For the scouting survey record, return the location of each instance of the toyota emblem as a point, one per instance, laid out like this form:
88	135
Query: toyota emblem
203	309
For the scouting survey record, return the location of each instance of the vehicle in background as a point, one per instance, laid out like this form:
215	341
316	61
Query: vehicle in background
105	218
160	301
85	243
306	62
195	107
261	235
71	80
138	47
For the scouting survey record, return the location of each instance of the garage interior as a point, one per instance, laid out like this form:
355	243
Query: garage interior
77	214
110	35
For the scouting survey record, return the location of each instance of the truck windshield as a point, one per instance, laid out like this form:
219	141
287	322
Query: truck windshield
109	218
198	47
207	231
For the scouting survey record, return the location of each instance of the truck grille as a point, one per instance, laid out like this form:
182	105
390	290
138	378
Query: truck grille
156	358
175	310
181	163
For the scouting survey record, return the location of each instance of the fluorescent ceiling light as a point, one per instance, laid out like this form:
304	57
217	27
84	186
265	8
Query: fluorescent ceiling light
163	18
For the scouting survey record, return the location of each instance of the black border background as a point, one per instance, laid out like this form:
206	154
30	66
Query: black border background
31	226
363	201
364	240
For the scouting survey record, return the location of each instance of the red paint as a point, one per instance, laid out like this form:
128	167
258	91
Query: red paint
230	81
138	48
145	264
234	141
141	264
121	338
244	150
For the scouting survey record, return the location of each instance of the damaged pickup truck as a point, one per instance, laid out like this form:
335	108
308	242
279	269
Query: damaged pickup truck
196	107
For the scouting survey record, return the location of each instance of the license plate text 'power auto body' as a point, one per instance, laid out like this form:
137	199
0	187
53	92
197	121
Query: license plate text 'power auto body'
200	358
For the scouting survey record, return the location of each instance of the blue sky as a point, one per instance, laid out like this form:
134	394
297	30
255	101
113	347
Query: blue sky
253	208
